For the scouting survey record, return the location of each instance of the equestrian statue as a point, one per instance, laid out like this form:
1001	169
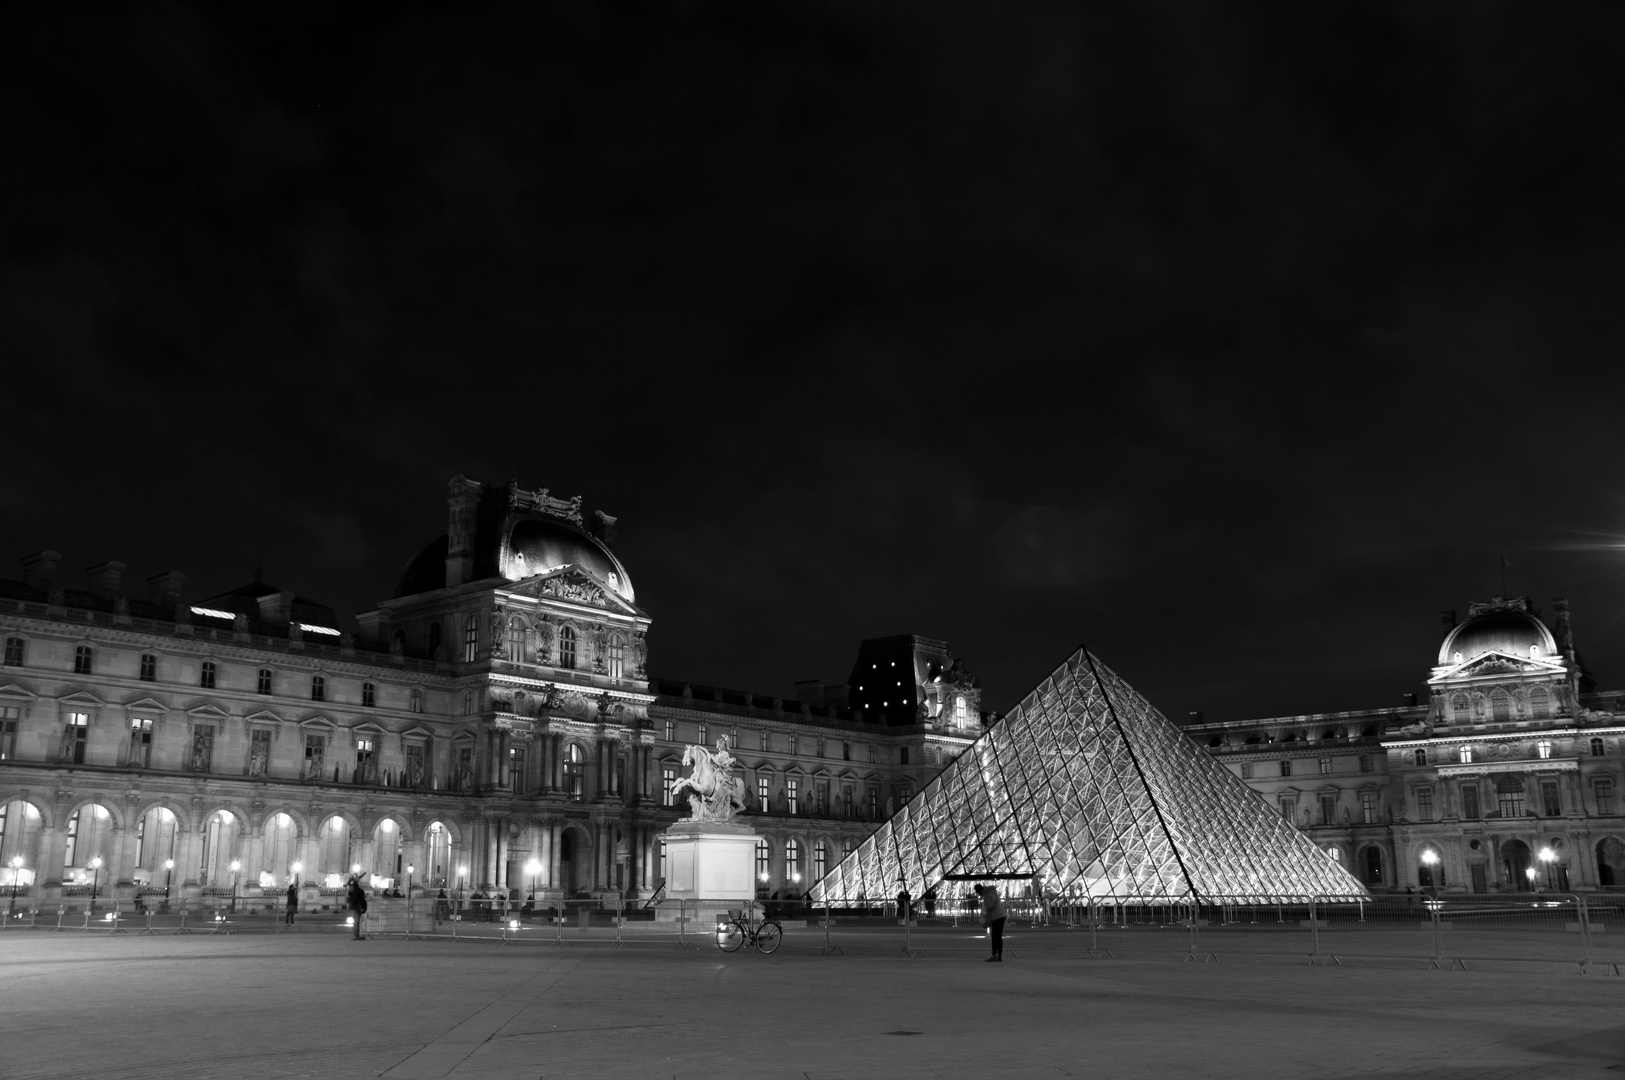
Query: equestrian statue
717	793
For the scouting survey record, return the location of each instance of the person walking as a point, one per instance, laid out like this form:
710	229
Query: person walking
993	919
293	902
357	898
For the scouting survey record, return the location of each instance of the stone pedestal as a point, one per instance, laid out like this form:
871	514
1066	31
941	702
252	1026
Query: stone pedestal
711	867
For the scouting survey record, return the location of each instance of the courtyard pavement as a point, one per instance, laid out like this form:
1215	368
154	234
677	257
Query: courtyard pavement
314	1003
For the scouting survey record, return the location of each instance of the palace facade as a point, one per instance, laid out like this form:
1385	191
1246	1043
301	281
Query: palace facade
1506	779
492	724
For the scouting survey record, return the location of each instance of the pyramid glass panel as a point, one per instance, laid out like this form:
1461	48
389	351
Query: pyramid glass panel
1089	791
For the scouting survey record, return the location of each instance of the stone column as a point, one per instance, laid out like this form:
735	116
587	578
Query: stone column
187	864
554	829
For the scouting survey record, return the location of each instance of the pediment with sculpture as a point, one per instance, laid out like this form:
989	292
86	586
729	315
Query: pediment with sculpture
1501	663
574	584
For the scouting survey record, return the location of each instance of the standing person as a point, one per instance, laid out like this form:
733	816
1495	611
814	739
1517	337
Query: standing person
357	898
993	919
442	908
293	902
930	899
903	900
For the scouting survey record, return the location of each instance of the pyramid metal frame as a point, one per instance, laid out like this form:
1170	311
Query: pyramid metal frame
1086	786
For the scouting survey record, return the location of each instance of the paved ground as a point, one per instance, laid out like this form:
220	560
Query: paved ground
315	1004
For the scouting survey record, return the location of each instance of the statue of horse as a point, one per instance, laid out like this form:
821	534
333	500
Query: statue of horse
719	794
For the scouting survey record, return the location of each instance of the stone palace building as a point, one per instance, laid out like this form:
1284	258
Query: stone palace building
492	724
1506	779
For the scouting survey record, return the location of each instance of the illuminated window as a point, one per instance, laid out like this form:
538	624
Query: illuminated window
792	859
567	647
471	639
702	732
75	734
1325	766
1465	755
140	744
516	770
209	672
369	695
764	854
763	791
83	656
1543	749
516	642
960	716
1596	748
8	731
263	682
318	688
792	793
575	772
414	700
364	763
617	656
149	668
14	652
765	742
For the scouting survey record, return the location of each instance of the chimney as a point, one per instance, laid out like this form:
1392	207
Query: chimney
1562	631
602	526
105	578
39	569
464	503
1448	618
277	608
165	589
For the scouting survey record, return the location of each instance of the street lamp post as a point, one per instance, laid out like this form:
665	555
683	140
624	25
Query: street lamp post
297	869
1534	885
1547	855
534	869
462	873
169	874
1430	859
409	871
95	879
234	867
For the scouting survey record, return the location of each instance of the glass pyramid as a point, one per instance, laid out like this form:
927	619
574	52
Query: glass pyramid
1090	789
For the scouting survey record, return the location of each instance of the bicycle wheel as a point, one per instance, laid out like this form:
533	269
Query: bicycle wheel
769	936
729	937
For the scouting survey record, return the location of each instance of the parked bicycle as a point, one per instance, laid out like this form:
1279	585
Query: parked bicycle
741	928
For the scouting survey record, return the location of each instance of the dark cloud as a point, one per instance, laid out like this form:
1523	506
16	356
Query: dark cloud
1235	342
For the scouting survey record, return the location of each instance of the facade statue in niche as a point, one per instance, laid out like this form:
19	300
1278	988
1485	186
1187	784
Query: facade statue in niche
640	656
202	749
315	750
544	641
64	750
414	766
465	769
718	791
258	758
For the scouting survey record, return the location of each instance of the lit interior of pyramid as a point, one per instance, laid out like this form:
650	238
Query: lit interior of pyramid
1087	792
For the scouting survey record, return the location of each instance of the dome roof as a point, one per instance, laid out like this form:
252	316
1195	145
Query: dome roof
517	546
1512	632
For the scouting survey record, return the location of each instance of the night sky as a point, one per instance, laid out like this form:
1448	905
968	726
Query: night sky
1234	341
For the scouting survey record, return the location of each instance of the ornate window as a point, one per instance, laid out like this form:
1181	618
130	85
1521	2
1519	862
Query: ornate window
1540	703
959	711
209	673
516	641
369	695
1368	807
567	647
83	657
1500	706
617	656
1424	804
471	639
1328	809
366	764
1551	804
792	859
318	688
149	668
14	652
315	755
259	751
1460	708
516	769
1289	807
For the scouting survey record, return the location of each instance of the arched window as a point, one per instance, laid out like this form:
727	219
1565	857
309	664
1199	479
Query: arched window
764	855
1420	757
369	695
820	858
959	711
792	860
1500	706
471	639
83	656
1543	749
1465	755
1596	748
1540	703
1459	708
516	641
209	673
318	688
617	656
575	771
567	647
